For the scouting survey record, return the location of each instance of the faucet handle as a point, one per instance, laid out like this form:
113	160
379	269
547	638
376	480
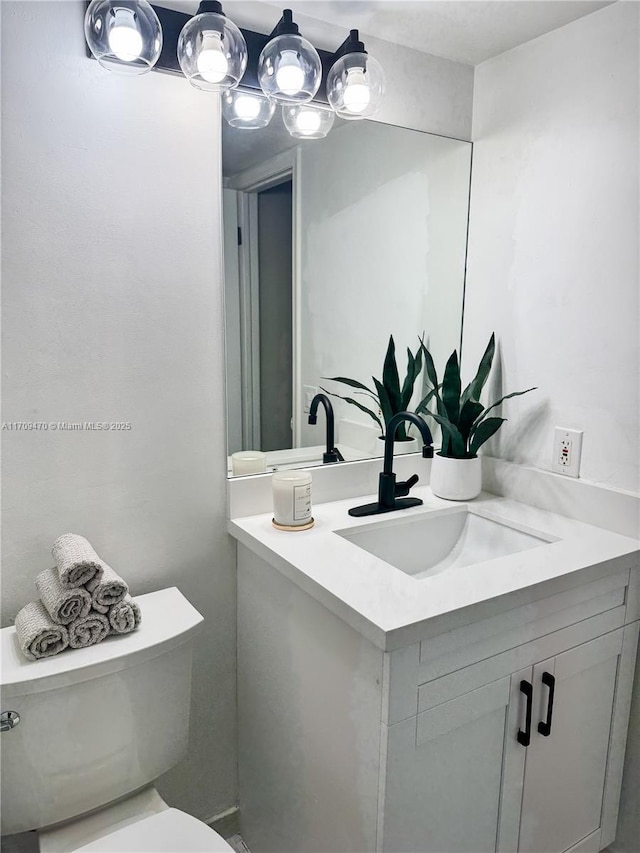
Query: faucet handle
402	489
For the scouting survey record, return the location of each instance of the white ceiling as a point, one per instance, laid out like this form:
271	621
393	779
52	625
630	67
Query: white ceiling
468	31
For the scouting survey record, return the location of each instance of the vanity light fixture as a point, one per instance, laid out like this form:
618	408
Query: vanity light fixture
125	36
304	121
211	49
355	83
132	37
247	110
289	66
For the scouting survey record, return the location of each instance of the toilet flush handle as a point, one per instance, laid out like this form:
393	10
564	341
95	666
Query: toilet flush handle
8	720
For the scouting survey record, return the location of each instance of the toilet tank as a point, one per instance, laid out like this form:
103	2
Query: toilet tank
96	723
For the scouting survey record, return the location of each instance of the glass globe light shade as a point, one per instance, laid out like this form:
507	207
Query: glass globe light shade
212	51
125	36
355	86
306	122
246	109
289	69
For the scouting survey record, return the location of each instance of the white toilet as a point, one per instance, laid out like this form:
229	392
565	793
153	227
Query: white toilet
96	727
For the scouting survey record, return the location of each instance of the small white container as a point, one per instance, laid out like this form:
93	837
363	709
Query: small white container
292	499
248	462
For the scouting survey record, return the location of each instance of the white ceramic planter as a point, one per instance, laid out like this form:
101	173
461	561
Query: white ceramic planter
456	479
409	446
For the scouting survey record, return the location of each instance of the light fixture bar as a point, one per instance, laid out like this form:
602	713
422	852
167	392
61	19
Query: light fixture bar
172	23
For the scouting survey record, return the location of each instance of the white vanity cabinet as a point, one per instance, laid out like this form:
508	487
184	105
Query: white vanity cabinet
422	748
470	775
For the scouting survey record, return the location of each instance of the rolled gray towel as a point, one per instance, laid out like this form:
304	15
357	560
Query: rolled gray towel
106	590
76	560
88	631
63	605
37	633
125	616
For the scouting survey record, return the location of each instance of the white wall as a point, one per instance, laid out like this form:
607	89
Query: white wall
553	259
553	252
112	311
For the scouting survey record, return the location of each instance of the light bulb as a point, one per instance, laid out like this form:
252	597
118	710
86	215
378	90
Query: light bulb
246	110
308	121
289	76
246	107
357	94
355	82
124	37
211	50
212	64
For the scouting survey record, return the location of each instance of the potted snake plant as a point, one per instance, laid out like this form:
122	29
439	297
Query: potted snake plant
387	394
465	424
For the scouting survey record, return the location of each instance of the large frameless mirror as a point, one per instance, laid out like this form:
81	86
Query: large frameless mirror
331	246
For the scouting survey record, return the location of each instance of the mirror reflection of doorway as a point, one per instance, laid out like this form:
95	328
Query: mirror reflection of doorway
258	251
275	291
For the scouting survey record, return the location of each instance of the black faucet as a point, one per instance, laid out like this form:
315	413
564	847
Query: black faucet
391	495
331	454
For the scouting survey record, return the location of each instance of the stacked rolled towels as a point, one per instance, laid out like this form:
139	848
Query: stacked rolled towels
82	601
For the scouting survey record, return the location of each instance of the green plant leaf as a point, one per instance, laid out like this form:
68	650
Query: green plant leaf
408	380
385	404
369	394
390	378
422	405
414	367
506	397
388	411
474	388
353	383
483	432
359	406
451	388
429	366
468	415
455	445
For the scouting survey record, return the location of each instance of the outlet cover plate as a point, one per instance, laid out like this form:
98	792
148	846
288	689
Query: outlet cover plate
567	451
308	393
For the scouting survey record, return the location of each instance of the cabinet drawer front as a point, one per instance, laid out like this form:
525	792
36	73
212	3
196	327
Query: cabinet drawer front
446	688
489	637
461	711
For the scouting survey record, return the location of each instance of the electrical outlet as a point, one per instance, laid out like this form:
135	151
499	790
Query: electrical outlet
308	393
567	449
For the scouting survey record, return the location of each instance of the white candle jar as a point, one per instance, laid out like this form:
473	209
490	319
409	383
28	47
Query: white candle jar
292	498
248	462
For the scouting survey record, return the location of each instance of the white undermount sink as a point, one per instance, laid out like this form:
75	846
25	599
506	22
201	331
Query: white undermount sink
426	544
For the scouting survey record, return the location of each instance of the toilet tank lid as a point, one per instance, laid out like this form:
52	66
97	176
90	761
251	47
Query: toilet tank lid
168	620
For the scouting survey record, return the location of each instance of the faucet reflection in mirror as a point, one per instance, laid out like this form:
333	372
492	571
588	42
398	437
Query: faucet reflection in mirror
331	454
282	68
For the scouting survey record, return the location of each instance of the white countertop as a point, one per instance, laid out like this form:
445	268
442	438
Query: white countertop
392	608
279	460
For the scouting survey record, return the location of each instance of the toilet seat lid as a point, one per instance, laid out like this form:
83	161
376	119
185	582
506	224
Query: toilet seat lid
170	831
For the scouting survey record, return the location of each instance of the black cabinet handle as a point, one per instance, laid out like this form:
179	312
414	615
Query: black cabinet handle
524	737
545	727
